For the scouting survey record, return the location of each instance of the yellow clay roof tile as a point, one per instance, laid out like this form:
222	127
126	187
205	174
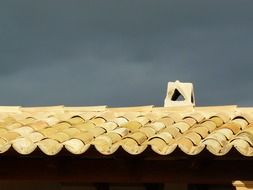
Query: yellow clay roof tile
51	129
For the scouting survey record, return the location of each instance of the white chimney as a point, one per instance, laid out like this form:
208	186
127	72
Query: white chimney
179	94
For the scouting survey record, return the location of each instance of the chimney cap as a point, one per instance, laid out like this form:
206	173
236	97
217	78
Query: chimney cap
179	94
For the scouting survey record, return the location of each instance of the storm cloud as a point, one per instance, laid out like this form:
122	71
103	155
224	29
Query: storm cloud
123	53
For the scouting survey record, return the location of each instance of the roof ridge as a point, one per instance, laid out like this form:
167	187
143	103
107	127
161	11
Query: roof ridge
145	108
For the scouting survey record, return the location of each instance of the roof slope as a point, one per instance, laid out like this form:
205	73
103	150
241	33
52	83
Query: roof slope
51	129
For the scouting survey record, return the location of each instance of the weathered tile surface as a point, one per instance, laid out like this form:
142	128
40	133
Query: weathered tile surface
51	129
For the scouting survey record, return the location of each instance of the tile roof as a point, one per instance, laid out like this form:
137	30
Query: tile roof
192	129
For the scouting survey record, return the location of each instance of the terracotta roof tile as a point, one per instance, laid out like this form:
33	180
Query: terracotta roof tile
216	129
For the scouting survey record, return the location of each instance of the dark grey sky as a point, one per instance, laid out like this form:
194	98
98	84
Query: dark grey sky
123	53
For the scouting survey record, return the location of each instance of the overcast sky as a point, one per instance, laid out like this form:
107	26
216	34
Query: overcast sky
123	53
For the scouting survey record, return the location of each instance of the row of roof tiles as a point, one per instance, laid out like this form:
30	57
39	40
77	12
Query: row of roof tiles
217	129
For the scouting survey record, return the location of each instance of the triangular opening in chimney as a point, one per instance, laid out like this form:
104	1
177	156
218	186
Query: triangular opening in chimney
177	96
